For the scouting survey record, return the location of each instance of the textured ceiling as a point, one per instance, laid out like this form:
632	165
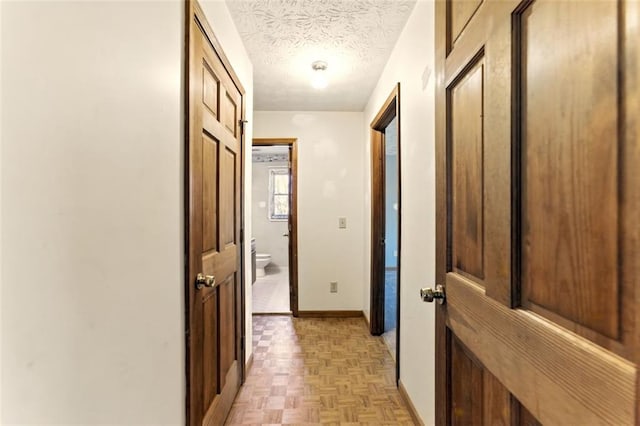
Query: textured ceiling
283	38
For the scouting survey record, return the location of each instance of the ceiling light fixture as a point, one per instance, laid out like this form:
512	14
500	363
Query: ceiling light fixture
319	79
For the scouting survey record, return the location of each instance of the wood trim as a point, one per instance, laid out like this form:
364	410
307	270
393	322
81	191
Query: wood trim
631	88
412	408
442	400
376	311
389	110
293	233
274	141
248	364
330	314
194	8
272	314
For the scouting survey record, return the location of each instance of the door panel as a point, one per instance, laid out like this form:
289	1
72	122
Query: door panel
569	184
461	13
466	387
209	194
524	417
538	242
466	173
214	179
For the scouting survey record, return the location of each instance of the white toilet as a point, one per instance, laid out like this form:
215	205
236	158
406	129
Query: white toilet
262	260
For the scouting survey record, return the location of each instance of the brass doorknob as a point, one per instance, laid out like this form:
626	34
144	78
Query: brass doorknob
429	295
203	280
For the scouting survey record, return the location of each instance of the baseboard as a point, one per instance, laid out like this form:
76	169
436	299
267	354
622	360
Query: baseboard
412	408
247	366
257	314
330	314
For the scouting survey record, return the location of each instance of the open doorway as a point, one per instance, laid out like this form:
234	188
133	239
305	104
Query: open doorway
274	239
385	224
391	206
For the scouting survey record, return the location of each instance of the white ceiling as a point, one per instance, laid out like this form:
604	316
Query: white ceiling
283	38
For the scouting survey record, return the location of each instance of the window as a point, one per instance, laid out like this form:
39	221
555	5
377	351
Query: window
278	194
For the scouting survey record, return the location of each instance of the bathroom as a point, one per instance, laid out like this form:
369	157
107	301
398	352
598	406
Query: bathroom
270	198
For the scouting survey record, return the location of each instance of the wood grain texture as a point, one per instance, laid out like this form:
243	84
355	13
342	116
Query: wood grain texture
210	345
318	371
467	394
389	110
376	304
630	196
230	118
415	416
524	417
562	368
227	348
213	177
499	194
227	197
576	382
210	90
330	314
442	360
467	172
570	164
209	194
221	264
460	13
497	408
293	231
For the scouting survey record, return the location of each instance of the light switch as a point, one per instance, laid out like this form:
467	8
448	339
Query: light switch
342	222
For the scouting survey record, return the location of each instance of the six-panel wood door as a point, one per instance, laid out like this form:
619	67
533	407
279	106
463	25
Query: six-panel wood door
538	211
214	174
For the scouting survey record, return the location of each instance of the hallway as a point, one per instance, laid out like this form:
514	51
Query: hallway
318	371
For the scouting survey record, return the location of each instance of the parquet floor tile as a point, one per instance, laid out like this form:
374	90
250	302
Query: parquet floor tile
312	371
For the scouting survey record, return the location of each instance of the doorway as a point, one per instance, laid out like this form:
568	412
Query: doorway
274	239
385	224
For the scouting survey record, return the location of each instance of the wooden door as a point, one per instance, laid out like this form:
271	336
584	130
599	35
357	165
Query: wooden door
538	240
213	214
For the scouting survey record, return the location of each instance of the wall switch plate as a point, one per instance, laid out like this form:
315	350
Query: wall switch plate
342	222
333	286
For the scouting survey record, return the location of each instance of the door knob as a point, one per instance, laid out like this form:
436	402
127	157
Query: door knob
285	235
428	294
203	280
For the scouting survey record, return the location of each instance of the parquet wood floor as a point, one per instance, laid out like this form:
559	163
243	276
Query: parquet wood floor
328	371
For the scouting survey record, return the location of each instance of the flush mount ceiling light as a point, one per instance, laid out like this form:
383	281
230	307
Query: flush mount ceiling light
319	79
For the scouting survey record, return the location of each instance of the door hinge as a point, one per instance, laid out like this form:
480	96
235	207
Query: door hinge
242	124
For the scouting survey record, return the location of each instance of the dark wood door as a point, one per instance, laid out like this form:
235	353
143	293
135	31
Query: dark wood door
538	241
214	177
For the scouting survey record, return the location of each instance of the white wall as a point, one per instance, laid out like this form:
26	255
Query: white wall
92	210
413	52
268	233
331	147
